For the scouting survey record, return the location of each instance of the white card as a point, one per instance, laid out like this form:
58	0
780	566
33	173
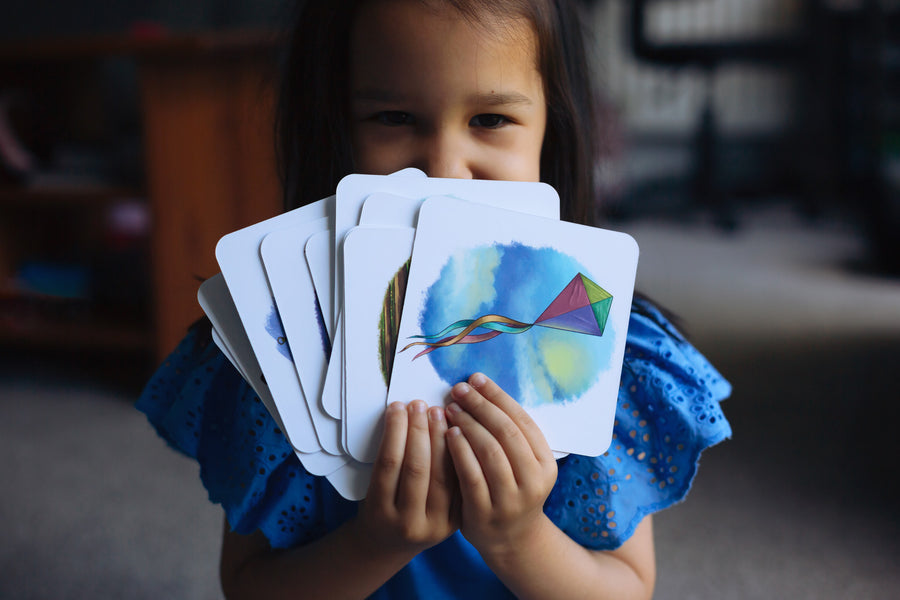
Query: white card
321	463
332	387
289	279
239	258
375	278
389	210
226	351
553	299
352	480
320	262
222	345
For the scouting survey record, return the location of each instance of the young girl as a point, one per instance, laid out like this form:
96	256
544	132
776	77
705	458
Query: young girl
466	501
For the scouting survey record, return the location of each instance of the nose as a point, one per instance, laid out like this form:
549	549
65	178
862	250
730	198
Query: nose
444	153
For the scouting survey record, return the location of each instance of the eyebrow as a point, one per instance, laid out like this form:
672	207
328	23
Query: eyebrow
487	99
502	99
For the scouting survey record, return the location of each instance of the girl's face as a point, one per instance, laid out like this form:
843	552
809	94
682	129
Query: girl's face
430	90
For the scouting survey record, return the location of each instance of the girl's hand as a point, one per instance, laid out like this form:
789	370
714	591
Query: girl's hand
504	465
411	502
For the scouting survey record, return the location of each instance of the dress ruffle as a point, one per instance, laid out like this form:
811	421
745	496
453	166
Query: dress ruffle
668	412
202	407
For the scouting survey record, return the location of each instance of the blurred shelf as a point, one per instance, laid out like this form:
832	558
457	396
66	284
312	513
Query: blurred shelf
41	321
205	104
69	335
56	196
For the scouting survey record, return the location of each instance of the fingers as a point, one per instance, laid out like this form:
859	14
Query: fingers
497	427
473	487
443	479
490	456
386	470
415	475
496	396
413	470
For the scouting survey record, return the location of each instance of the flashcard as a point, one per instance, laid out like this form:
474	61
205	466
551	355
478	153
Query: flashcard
540	306
389	210
320	262
226	351
352	480
332	387
289	279
239	258
377	263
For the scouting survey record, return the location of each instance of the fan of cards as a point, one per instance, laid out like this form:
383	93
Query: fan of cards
323	311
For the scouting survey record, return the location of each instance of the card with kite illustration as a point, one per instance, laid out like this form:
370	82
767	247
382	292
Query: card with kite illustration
540	306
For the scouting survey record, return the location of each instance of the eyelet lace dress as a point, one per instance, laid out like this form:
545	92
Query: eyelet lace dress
667	414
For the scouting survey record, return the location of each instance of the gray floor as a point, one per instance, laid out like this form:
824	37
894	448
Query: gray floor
796	506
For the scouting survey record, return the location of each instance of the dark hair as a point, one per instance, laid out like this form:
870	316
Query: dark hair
312	128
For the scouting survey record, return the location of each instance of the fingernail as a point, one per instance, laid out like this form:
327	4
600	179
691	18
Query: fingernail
396	407
436	414
454	431
461	389
417	406
478	379
453	408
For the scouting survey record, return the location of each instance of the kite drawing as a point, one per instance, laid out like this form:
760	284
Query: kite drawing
542	323
581	307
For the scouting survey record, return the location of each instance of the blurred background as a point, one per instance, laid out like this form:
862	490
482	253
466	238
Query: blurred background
752	147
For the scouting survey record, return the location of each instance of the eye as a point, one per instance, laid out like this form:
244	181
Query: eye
488	121
394	118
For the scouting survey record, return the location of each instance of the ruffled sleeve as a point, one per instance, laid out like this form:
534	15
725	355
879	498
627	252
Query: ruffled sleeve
667	414
202	407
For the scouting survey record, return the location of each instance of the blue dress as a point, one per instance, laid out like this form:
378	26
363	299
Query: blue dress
667	413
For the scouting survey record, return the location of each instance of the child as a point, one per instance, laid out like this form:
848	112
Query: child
464	502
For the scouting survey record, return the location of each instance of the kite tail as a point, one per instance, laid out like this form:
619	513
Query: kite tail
502	324
469	339
496	323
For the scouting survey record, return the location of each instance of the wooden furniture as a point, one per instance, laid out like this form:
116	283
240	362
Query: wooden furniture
206	106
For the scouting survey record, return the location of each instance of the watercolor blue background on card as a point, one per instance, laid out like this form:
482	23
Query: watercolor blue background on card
541	365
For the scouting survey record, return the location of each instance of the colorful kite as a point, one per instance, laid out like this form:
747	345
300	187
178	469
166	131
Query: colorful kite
582	307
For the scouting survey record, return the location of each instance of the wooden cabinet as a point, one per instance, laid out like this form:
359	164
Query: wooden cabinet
206	107
60	288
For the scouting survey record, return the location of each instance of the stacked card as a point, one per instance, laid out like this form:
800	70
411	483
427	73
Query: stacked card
399	286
